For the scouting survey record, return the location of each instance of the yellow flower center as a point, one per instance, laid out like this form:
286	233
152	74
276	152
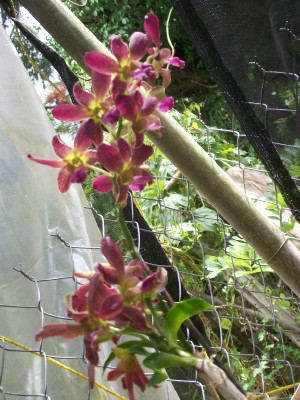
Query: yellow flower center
97	110
76	160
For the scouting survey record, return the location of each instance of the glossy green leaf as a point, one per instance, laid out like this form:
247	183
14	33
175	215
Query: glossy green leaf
158	361
178	314
136	346
158	377
108	360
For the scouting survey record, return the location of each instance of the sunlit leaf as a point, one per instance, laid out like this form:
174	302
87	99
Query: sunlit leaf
178	314
158	377
158	361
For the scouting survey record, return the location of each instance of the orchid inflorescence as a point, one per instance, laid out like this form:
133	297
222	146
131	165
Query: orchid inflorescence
115	117
115	297
119	298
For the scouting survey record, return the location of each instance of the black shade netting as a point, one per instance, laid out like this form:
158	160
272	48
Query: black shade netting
252	51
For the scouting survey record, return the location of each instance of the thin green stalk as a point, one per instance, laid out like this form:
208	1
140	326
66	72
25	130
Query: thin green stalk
102	171
168	33
127	234
156	320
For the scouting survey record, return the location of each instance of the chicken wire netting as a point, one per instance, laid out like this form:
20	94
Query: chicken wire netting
254	325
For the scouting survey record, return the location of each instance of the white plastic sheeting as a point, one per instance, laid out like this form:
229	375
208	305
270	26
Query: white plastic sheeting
31	211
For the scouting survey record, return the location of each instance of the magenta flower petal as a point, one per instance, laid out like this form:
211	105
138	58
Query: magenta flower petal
138	45
103	184
151	26
163	56
70	112
66	331
176	62
130	367
100	63
51	163
100	335
118	47
111	307
101	84
139	140
92	355
115	374
91	374
112	116
92	156
82	96
112	253
136	268
134	318
109	274
127	106
122	194
155	282
124	149
96	133
79	175
141	181
166	104
83	139
60	148
141	154
64	179
155	127
141	73
149	105
98	292
118	87
138	98
79	298
110	157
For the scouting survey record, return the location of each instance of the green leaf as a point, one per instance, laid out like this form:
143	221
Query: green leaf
178	314
176	201
136	346
226	323
108	360
158	361
207	219
158	377
281	200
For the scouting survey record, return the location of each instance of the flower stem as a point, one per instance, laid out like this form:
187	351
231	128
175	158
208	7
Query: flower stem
127	234
102	171
120	127
156	320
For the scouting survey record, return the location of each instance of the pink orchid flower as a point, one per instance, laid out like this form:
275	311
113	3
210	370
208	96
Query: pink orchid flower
116	272
158	57
75	162
131	279
128	366
139	111
95	108
126	162
126	61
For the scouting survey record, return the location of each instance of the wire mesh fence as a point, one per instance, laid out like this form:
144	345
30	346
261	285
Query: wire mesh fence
254	322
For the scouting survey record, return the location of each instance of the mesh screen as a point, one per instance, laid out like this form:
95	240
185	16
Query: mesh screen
253	326
252	52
